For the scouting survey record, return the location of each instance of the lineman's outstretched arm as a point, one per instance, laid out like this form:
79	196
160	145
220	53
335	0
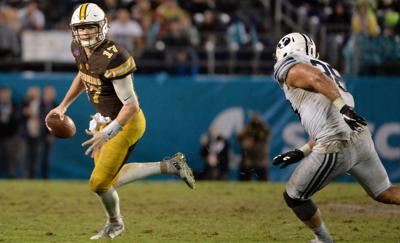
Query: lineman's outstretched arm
312	79
293	156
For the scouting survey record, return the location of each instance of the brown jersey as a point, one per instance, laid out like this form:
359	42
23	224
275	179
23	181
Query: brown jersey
109	61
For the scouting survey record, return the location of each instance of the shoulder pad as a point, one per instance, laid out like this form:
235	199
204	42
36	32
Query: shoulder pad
282	67
121	63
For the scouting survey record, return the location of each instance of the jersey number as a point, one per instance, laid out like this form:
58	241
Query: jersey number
330	72
110	51
96	89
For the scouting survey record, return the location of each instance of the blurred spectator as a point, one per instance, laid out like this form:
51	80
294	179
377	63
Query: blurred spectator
390	49
175	36
241	24
57	17
191	31
167	11
196	6
9	124
339	19
338	24
209	27
364	25
237	35
11	18
376	56
126	31
110	7
185	63
364	20
388	8
48	102
9	45
391	21
31	17
215	153
254	149
308	10
31	114
227	6
169	16
180	57
143	14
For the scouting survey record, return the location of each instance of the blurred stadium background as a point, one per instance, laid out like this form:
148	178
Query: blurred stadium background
201	64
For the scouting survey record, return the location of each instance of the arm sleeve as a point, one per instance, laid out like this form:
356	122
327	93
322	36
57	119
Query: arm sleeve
124	89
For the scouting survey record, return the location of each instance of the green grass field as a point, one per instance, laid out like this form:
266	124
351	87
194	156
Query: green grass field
66	211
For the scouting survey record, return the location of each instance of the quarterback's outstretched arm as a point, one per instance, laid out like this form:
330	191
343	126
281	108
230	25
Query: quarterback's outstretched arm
76	88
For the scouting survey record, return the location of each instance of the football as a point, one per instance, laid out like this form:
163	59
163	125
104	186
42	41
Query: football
61	128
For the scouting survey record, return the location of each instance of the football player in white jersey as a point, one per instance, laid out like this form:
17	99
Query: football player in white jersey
340	142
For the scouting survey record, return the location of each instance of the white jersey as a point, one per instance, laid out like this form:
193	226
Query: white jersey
319	117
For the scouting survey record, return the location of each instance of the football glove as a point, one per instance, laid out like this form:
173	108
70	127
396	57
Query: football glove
352	119
288	158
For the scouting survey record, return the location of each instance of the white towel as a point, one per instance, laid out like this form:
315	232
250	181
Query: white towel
98	120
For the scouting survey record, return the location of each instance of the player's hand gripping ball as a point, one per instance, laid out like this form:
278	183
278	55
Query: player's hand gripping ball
64	128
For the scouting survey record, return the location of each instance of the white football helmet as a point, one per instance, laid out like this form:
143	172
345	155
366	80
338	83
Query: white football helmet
88	14
295	42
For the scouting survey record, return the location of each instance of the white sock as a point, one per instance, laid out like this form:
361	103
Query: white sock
110	202
135	171
322	233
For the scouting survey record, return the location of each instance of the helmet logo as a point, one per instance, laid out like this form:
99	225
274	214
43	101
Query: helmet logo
284	42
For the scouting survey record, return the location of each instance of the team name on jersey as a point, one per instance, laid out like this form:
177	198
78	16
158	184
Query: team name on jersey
90	79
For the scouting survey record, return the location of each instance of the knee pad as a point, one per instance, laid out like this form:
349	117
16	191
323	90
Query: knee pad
98	186
304	209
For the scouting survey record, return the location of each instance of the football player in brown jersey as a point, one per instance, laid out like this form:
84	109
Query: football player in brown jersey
105	72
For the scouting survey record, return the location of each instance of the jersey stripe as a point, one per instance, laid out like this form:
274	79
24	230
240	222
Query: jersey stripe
282	65
122	69
82	12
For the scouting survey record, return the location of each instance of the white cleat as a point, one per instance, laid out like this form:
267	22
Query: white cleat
316	240
184	171
110	230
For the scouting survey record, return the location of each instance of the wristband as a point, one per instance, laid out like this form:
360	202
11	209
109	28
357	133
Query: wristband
306	149
339	103
111	130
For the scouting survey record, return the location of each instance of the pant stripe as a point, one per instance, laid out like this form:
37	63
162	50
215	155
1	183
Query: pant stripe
320	177
331	167
315	176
